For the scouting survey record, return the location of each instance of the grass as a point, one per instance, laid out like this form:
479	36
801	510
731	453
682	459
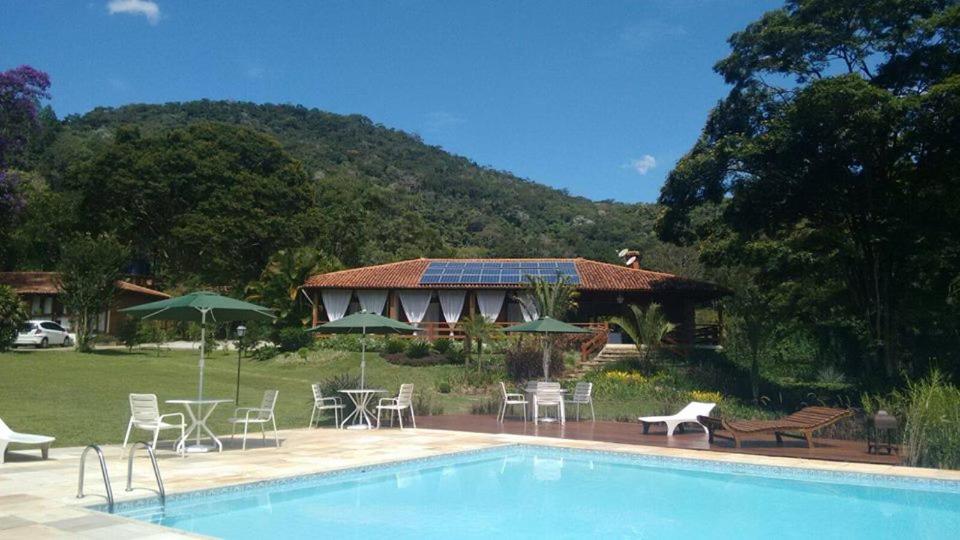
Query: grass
82	398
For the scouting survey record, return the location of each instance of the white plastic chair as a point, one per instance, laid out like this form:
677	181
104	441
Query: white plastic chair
548	394
145	415
321	404
257	415
688	414
397	405
583	395
8	436
511	399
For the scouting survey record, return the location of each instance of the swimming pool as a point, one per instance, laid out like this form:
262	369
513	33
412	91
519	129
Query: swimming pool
539	492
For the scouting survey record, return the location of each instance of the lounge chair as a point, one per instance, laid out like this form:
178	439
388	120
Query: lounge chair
686	415
8	436
257	415
804	422
398	405
145	415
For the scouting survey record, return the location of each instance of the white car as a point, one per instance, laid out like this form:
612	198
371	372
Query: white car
42	334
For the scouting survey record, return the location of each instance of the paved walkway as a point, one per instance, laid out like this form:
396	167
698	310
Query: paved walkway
37	498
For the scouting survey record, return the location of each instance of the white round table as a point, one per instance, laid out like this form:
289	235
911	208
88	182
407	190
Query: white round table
198	422
362	419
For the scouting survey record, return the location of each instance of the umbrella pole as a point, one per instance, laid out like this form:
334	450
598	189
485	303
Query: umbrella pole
203	345
363	356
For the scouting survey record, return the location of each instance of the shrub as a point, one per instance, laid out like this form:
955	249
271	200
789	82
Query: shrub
293	338
706	396
394	346
331	387
442	345
265	353
153	332
424	404
12	315
349	342
128	333
444	386
526	362
404	360
418	349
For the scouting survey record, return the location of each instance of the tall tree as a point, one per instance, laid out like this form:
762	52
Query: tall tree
90	268
831	167
279	284
12	315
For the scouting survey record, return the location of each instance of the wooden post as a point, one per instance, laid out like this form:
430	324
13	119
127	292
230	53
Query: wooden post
315	308
393	310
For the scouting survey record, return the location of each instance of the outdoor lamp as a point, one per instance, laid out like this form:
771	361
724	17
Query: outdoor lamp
241	330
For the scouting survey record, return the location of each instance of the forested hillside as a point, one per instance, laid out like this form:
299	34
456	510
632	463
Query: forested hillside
356	190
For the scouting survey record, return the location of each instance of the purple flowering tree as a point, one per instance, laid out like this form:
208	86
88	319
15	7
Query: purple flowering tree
21	91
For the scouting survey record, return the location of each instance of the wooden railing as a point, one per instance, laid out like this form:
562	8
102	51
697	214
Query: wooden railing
595	343
431	331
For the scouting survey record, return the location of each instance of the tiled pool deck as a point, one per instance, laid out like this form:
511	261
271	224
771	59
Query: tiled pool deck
37	498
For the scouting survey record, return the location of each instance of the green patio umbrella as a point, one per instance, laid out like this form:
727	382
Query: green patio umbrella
363	322
200	307
546	326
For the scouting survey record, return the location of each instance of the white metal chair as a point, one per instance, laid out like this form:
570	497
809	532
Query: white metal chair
688	414
511	399
397	405
548	394
321	404
145	415
8	436
583	395
257	415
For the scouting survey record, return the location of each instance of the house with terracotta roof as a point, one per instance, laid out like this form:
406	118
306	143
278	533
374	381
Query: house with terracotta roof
435	294
40	291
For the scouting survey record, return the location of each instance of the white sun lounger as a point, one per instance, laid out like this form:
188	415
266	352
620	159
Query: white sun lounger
688	414
8	436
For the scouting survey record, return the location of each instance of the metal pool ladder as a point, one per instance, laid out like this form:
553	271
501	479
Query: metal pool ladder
103	469
156	469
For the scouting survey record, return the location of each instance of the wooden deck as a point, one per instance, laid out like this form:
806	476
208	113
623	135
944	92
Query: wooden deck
630	433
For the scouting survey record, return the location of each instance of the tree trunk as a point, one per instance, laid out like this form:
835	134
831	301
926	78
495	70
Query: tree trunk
755	376
479	355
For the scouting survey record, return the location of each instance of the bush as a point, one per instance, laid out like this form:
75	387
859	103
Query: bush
12	315
442	345
929	412
444	386
265	353
394	346
153	332
418	349
525	363
293	338
349	342
331	387
424	404
404	360
128	333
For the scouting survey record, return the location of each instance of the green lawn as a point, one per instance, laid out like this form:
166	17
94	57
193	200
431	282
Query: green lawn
82	398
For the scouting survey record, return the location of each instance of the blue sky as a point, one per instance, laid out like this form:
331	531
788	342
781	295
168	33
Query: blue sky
599	98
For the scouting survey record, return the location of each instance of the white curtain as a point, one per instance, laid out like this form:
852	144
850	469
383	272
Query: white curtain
528	307
490	303
336	302
415	303
372	300
452	304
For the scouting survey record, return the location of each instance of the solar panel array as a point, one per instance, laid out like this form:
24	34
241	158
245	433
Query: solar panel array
494	273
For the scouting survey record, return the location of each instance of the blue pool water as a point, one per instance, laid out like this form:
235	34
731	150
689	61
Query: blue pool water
536	492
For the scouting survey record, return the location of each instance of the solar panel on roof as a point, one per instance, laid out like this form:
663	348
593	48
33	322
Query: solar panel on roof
495	272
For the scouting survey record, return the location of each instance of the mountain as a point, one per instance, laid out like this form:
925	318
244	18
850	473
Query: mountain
476	210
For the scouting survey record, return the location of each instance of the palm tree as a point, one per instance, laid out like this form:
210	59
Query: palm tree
554	299
478	329
646	327
280	281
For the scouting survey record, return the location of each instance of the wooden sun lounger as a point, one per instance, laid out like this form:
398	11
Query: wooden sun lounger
804	422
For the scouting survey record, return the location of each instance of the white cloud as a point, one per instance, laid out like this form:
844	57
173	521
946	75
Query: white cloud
643	164
147	8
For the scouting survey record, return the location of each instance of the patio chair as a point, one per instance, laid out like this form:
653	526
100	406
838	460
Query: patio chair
8	436
257	415
687	414
805	422
397	405
510	399
548	394
583	395
145	415
321	404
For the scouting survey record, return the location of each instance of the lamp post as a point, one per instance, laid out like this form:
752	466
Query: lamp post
241	330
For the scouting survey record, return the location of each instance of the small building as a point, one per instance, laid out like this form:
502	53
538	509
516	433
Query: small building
40	291
435	294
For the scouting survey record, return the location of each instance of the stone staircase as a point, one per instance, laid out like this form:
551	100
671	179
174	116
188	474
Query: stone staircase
610	353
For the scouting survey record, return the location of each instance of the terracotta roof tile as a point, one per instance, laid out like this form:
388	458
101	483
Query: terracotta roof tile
46	283
594	275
